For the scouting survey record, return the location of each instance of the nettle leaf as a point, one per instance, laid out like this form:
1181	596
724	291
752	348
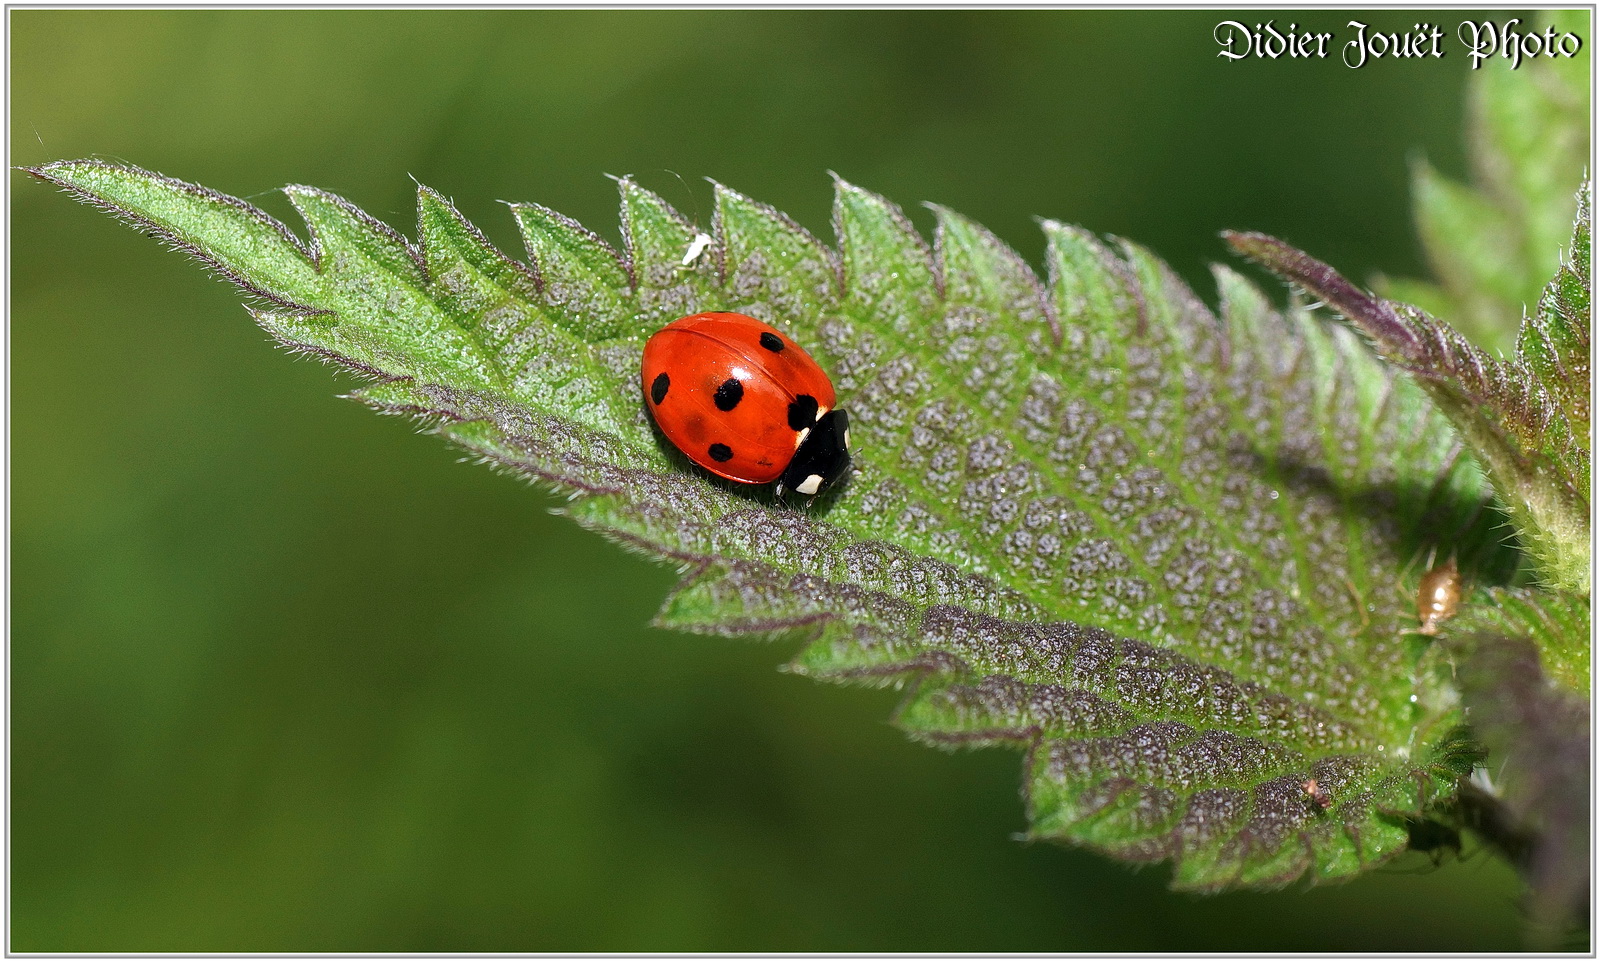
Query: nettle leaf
1556	622
1527	418
1532	794
1491	243
1155	548
1553	345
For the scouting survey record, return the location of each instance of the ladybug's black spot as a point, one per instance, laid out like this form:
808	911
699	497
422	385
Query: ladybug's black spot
721	452
802	412
658	387
771	341
729	394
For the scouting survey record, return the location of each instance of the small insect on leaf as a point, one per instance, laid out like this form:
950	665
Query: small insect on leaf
1438	595
697	247
1316	795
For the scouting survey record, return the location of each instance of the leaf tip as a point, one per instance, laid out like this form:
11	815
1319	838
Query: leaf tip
843	189
1252	244
1371	315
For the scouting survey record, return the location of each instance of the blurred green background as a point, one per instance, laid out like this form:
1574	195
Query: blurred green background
288	677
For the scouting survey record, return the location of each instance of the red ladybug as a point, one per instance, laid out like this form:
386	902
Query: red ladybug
745	402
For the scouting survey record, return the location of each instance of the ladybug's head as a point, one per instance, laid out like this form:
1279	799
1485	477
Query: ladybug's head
822	458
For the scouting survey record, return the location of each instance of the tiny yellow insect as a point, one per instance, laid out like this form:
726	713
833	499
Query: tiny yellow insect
1438	595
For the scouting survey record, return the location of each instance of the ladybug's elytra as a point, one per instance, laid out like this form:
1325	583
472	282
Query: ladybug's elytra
745	402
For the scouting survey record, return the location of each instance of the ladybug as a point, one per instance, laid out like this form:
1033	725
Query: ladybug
746	403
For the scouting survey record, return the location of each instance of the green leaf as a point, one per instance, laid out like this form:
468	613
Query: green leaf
1491	244
1553	345
1557	623
1526	419
1532	796
1155	548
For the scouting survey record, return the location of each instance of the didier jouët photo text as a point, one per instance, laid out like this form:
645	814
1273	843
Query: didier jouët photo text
1481	40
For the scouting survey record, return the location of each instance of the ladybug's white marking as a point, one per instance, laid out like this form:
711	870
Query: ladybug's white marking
810	485
800	439
847	437
697	247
